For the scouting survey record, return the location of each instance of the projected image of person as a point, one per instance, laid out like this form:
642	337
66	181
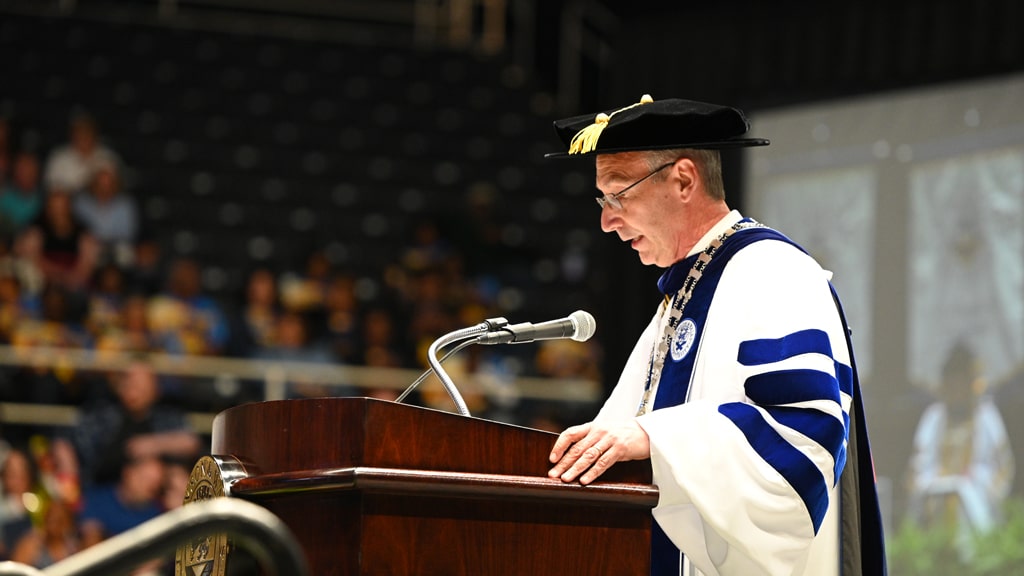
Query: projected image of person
742	390
962	468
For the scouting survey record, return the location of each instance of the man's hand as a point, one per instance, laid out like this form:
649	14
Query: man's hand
590	449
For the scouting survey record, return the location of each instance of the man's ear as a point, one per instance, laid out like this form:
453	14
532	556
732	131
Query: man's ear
687	178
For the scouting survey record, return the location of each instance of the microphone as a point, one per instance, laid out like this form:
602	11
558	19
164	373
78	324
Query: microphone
579	326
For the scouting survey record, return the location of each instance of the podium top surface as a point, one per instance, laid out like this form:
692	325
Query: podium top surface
329	433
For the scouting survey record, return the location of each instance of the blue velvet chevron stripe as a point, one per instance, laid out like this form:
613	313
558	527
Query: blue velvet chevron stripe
820	427
770	350
796	468
845	375
791	386
772	391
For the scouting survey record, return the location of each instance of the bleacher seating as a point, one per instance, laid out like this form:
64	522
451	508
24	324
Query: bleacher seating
249	148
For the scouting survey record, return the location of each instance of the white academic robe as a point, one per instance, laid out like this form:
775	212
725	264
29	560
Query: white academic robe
721	503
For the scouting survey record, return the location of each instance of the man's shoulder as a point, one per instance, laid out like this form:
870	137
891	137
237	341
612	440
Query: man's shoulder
772	248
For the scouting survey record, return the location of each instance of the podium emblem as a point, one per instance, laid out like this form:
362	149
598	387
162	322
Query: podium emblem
205	555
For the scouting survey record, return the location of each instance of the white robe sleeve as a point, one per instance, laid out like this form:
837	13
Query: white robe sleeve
747	466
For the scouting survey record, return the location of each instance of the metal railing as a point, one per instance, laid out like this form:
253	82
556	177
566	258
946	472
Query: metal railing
273	376
250	527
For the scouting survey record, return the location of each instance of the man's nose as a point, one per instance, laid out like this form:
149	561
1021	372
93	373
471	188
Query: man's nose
610	221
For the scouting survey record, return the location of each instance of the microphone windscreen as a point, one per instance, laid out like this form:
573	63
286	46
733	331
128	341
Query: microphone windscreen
585	325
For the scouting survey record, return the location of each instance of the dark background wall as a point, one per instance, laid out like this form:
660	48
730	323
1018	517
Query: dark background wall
764	55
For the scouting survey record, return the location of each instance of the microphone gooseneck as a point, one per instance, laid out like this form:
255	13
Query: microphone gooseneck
579	326
457	335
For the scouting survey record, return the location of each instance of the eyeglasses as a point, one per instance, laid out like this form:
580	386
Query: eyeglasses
613	199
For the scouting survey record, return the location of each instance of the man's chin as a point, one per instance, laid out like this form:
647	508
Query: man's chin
646	259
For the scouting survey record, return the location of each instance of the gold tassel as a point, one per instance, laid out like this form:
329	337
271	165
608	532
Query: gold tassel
586	139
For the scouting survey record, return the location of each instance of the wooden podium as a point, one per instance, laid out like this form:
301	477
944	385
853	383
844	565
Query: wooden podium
374	487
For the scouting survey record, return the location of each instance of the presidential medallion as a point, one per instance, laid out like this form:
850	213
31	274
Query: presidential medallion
685	336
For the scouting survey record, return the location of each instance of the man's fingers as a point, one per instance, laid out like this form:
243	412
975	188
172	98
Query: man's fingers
587	451
566	439
602	463
575	454
585	459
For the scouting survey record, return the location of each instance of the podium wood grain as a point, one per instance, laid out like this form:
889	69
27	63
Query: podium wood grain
373	487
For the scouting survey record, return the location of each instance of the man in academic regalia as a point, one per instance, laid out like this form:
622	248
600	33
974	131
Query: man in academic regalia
742	390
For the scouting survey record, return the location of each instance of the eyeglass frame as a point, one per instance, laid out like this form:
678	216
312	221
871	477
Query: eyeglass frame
613	199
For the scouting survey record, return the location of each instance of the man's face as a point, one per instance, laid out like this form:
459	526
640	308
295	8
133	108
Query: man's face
142	479
83	136
649	216
26	172
137	388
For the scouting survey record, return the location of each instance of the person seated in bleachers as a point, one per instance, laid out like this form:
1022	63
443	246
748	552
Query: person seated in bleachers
54	540
252	327
137	425
58	326
379	344
60	245
183	318
432	311
339	326
130	332
426	248
17	304
291	343
17	258
305	291
110	509
58	323
147	270
378	347
73	165
17	479
21	198
175	482
109	214
106	300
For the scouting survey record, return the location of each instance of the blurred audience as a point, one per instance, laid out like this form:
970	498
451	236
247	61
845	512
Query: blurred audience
17	305
183	317
57	326
339	324
291	343
21	198
79	271
135	426
146	272
380	341
53	540
109	214
175	482
60	245
110	509
105	300
73	166
252	327
304	291
17	259
130	331
17	500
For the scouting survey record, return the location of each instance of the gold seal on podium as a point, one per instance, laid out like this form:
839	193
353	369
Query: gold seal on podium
206	555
